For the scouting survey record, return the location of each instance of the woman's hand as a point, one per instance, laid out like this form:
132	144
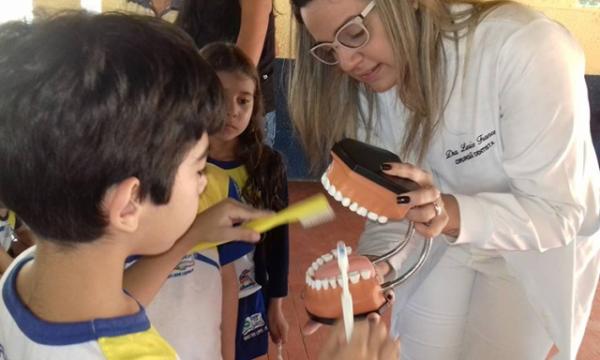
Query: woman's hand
428	207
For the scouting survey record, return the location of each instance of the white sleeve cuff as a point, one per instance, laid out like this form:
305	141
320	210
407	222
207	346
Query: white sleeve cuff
476	227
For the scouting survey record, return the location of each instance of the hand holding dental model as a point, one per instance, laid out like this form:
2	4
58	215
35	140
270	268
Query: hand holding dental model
374	183
359	185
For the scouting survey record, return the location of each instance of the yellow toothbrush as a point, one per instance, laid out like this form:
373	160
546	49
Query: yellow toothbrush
309	212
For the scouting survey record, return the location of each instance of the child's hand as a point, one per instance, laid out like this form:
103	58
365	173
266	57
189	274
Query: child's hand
216	224
370	341
278	325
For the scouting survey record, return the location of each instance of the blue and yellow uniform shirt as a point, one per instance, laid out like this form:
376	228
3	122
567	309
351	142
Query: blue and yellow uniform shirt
24	336
225	180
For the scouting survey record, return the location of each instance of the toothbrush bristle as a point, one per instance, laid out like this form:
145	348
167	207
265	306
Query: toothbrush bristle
341	248
318	219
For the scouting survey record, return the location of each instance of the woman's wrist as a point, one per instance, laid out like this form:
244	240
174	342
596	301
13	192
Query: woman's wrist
452	228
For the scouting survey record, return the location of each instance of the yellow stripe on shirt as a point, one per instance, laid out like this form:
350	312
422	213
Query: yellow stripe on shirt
146	345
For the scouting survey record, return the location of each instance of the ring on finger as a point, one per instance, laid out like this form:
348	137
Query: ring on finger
437	208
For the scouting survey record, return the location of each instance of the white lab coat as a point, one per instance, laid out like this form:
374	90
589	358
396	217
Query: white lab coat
515	150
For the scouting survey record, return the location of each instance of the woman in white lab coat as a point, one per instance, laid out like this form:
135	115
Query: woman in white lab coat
488	100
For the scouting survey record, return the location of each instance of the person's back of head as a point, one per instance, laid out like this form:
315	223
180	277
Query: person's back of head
87	101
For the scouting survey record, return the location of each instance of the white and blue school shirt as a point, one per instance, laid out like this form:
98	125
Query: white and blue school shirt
24	336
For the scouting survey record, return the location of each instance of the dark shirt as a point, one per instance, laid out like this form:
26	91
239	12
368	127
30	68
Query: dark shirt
223	24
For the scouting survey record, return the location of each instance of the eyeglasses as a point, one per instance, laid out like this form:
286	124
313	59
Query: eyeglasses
352	35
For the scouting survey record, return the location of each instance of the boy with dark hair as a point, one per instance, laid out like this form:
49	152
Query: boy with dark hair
103	125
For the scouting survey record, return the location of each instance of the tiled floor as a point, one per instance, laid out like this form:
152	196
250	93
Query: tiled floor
308	244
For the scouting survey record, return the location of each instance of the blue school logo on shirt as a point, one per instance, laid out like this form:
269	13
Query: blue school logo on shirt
253	325
185	266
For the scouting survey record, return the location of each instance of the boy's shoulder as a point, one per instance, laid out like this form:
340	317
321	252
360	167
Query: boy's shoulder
24	335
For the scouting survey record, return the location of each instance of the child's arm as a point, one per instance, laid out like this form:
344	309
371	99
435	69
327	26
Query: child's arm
229	311
5	260
278	325
277	265
144	278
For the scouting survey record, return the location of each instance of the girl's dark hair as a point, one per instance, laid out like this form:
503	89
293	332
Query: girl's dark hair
266	173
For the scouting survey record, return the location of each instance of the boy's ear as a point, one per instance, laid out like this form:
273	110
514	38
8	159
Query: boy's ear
122	205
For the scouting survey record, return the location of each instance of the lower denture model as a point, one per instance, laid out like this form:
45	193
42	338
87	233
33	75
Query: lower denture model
354	178
324	287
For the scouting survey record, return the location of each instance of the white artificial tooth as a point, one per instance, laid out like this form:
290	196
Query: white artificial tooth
315	266
331	190
318	284
319	261
353	207
339	280
338	196
354	277
332	283
307	279
327	257
310	271
361	211
348	250
334	253
372	216
382	219
325	284
325	181
365	274
346	201
313	284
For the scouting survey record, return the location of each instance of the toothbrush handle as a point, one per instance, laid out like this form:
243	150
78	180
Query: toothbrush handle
264	224
348	314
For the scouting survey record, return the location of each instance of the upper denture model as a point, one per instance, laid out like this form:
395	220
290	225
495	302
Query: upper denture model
354	178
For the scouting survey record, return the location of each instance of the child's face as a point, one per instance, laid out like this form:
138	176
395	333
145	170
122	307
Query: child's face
239	91
166	223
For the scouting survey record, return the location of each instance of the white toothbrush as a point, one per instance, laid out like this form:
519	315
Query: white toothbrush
347	311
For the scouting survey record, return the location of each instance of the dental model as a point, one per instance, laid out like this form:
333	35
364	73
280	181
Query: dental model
323	287
354	178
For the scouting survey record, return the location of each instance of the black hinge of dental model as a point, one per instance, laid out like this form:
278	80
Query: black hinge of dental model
366	160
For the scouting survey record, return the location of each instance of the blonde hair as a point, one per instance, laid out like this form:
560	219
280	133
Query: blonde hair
324	102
